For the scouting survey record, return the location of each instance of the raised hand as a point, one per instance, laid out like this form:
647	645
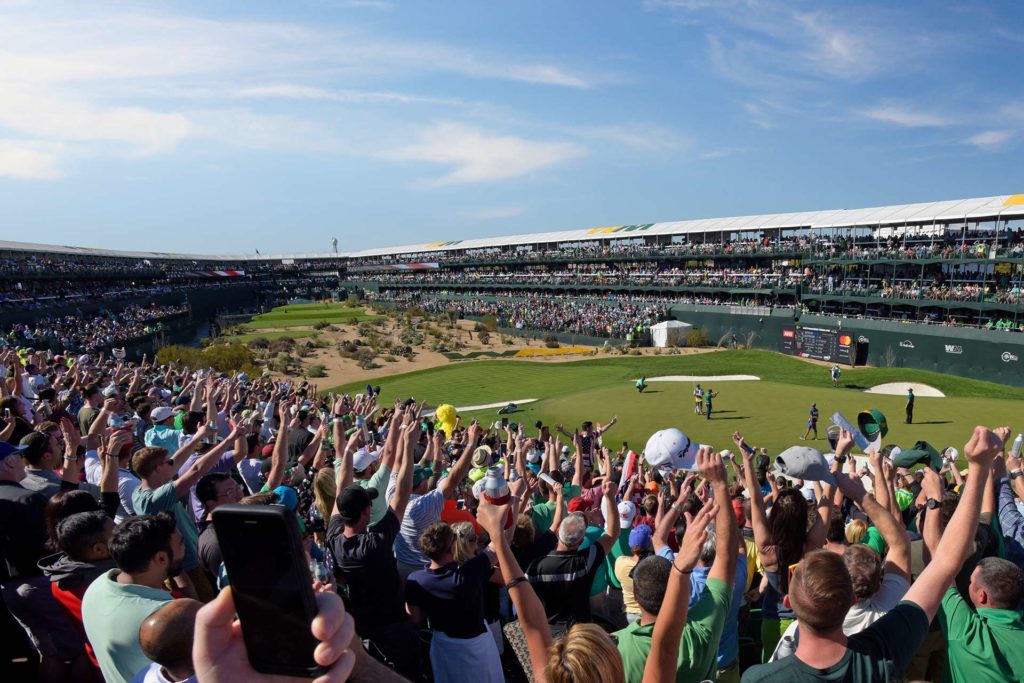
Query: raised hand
711	467
933	485
852	487
983	447
693	540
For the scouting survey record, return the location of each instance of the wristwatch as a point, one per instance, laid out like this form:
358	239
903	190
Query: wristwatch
932	504
1016	473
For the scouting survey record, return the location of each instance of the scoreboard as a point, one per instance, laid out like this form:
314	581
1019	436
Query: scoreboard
820	343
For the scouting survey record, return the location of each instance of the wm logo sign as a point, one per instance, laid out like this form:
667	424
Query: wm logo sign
953	348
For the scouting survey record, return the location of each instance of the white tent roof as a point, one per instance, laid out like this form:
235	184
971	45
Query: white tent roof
666	324
983	208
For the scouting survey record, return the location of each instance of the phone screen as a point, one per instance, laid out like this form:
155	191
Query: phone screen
504	422
272	586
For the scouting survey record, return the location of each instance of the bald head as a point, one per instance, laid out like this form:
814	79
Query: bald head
166	636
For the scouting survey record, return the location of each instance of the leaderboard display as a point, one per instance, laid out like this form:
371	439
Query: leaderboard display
819	343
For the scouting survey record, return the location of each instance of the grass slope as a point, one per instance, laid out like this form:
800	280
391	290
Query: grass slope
771	412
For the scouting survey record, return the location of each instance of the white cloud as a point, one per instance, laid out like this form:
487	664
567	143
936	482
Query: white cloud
478	156
903	116
769	45
305	92
135	82
27	161
990	138
493	213
645	137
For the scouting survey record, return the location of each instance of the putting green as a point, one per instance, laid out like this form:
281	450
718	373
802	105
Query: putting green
771	412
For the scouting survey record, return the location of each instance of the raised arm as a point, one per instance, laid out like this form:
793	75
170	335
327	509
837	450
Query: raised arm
758	515
279	462
344	472
894	533
611	522
204	464
664	527
958	537
403	489
663	660
713	470
449	484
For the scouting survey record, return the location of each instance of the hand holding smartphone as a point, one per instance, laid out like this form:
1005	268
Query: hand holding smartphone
271	585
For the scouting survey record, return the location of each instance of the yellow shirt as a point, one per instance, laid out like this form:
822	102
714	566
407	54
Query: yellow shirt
623	566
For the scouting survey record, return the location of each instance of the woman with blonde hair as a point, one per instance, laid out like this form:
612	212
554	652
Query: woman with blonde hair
586	654
324	493
855	531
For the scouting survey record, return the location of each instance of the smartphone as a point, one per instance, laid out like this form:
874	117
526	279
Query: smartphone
546	478
504	422
272	586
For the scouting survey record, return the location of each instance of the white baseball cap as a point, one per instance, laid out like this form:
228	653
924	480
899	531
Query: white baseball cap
671	449
363	458
160	414
627	511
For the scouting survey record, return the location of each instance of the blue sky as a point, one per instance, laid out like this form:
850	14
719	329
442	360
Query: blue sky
226	127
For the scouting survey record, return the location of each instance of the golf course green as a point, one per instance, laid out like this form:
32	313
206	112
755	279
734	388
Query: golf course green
770	412
301	315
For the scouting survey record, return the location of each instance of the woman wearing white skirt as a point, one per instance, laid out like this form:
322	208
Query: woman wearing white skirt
449	596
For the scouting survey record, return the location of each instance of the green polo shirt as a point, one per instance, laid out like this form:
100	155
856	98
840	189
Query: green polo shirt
698	646
984	644
873	539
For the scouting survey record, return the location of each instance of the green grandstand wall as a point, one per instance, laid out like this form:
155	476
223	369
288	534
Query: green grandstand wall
990	355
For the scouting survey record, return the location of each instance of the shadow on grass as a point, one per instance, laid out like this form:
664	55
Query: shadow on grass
934	422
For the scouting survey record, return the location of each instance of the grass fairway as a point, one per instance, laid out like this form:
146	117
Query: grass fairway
771	412
304	315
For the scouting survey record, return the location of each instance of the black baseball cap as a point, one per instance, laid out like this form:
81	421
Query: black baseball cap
353	500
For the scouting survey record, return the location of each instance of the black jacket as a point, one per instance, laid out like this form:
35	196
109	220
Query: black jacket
22	531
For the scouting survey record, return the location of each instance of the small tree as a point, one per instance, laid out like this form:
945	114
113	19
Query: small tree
484	336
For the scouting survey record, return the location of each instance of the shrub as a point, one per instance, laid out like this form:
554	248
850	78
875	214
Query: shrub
321	324
390	359
484	336
283	362
365	359
225	357
657	351
316	371
259	343
697	337
550	341
490	322
479	327
282	345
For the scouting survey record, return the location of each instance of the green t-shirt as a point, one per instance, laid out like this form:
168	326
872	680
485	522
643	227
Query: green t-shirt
698	646
151	501
378	480
620	549
881	652
984	644
112	613
601	577
873	539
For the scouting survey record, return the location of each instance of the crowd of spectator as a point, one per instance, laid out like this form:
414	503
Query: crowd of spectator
615	318
446	551
84	333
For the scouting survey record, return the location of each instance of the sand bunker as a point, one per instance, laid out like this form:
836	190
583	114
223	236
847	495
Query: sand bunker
704	378
900	389
501	404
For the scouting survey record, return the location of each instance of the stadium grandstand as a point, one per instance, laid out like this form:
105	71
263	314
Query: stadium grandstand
950	263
